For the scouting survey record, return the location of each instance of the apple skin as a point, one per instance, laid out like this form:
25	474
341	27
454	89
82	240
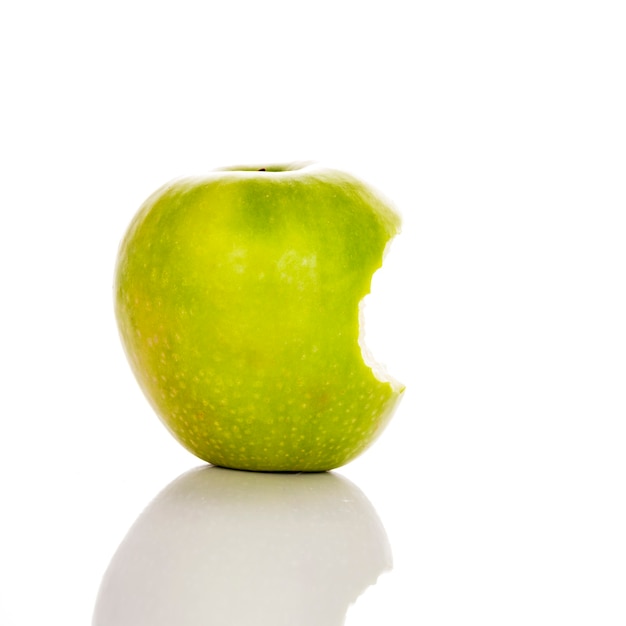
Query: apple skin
237	299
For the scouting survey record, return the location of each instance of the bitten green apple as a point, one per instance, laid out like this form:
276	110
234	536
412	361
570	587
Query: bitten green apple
237	296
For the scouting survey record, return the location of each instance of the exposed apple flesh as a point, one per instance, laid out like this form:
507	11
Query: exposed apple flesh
238	302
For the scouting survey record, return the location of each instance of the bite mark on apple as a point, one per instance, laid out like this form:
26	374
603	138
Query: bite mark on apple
379	369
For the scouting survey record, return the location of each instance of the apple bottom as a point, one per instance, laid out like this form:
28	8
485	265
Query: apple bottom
307	432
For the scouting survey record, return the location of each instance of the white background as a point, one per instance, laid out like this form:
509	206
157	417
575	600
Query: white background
498	128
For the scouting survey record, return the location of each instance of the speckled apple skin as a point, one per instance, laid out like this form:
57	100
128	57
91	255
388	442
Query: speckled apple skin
237	299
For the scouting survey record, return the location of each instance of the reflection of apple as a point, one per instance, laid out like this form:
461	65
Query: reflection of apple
232	548
237	299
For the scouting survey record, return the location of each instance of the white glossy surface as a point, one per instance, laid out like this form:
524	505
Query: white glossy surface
229	547
497	128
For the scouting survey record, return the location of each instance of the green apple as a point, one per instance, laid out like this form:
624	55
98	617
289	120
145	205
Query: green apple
237	296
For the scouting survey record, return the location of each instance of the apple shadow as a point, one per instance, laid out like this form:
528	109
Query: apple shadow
220	546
